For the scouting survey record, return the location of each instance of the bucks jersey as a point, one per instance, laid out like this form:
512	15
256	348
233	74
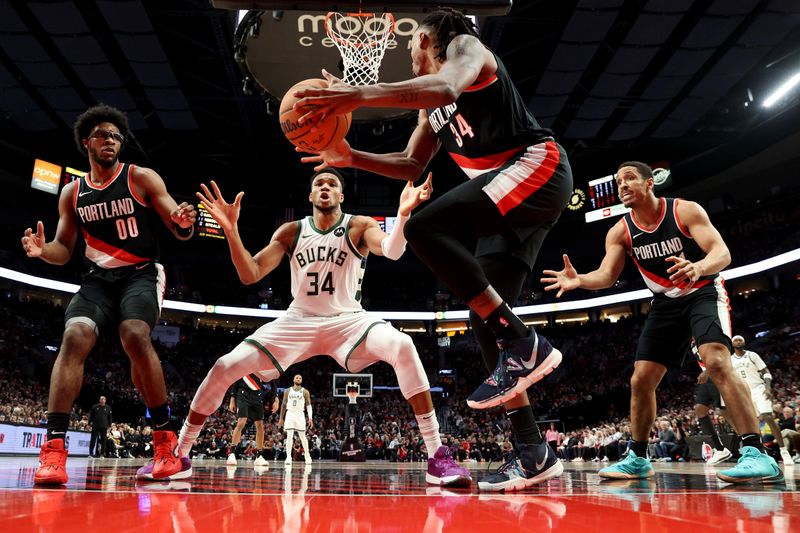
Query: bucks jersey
650	248
296	401
117	224
487	125
748	367
327	269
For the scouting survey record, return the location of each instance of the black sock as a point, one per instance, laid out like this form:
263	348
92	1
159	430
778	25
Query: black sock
525	428
639	448
505	324
752	439
160	415
57	425
708	428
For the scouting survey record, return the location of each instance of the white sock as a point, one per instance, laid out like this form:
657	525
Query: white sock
429	428
189	433
304	442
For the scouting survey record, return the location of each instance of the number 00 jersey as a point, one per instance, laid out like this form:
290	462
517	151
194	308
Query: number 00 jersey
487	125
117	224
327	269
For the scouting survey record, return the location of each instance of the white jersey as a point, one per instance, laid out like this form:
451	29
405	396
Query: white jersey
296	401
327	269
748	367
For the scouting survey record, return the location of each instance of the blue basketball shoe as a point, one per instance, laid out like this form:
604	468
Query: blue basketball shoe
753	465
632	467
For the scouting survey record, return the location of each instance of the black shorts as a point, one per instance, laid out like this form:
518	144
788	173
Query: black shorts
109	296
530	220
673	322
245	409
707	394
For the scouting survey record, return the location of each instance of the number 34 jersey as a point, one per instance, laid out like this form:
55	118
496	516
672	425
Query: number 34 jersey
118	225
327	269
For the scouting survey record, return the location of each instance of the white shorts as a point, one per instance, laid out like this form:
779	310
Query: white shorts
296	421
295	337
760	401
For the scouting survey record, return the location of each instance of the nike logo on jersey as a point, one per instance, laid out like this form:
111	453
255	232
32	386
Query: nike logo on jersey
307	236
139	267
85	193
640	233
546	451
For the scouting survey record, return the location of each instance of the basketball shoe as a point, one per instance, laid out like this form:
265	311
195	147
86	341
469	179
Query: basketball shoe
719	456
753	465
231	461
260	461
185	471
632	467
52	464
531	464
522	363
443	470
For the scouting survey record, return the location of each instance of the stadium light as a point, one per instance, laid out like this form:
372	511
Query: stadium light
781	91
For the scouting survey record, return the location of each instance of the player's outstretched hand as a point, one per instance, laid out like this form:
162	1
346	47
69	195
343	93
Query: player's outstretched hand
184	215
412	196
563	280
224	213
340	156
337	99
33	243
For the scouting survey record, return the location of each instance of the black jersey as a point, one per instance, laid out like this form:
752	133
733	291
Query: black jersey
118	225
253	390
650	248
487	125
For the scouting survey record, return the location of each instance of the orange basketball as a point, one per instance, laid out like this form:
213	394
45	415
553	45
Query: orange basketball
327	132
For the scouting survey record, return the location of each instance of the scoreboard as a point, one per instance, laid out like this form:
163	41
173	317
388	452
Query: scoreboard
206	225
604	201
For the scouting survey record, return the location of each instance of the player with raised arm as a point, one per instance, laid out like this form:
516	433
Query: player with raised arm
296	399
519	183
327	253
679	254
116	207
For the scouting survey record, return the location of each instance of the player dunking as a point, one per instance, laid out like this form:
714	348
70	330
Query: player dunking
248	396
679	254
296	399
115	207
327	253
520	181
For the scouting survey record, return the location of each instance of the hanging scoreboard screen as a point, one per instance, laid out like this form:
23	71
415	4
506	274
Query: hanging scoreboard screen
206	225
604	201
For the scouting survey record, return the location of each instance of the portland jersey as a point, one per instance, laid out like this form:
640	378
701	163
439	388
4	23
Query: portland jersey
117	224
649	250
327	269
296	401
749	367
487	125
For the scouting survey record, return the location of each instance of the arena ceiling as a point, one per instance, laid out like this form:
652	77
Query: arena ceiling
656	80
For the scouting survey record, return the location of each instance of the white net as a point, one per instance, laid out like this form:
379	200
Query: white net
362	39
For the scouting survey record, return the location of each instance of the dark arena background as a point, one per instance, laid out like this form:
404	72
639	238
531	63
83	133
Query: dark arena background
707	92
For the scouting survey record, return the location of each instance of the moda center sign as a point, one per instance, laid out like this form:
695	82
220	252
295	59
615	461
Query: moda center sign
311	29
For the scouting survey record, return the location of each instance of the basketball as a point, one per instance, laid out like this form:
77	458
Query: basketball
327	132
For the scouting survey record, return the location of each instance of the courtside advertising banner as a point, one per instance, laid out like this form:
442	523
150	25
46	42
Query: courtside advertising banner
27	440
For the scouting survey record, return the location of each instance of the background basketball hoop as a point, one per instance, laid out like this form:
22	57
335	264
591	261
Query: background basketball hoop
353	390
362	39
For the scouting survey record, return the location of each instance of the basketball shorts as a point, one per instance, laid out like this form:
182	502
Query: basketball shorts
296	421
252	410
762	404
672	322
707	394
110	296
530	190
297	336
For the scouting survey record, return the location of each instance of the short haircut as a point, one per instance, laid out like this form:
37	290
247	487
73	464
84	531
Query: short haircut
643	168
98	114
448	23
331	171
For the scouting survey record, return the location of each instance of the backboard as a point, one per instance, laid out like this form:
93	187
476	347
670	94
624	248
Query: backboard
340	382
277	45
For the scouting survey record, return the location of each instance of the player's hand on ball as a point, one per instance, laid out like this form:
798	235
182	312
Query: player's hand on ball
33	243
340	156
412	196
337	99
683	270
563	280
184	215
224	213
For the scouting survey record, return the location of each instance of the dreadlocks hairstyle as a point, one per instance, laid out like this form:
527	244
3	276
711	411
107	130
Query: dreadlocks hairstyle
448	23
97	115
643	168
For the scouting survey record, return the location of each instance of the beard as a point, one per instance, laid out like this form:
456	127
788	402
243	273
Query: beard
106	163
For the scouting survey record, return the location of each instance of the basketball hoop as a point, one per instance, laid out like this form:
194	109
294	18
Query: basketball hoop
362	39
352	394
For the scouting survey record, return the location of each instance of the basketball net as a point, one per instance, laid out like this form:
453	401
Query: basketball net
362	39
352	394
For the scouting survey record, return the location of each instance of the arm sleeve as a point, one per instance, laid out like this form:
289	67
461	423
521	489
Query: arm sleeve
394	244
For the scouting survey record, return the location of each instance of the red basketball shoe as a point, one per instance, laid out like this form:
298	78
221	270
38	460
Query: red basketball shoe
52	464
